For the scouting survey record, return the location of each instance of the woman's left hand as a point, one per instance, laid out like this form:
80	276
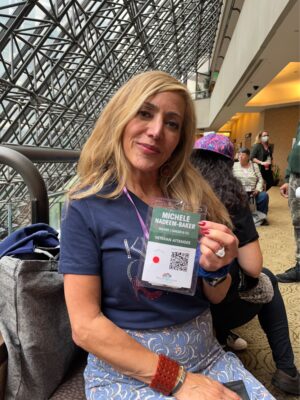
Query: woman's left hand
216	238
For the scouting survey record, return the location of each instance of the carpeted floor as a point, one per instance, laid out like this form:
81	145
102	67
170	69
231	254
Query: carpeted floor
278	246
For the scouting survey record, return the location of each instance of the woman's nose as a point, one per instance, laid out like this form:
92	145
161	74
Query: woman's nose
155	127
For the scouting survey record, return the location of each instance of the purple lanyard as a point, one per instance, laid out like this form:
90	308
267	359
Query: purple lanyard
141	221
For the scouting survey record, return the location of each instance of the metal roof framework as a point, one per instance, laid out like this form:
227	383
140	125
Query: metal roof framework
61	61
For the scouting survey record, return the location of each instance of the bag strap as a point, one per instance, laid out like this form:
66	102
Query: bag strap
254	173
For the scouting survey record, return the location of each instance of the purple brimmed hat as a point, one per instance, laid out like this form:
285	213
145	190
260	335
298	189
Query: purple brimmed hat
217	143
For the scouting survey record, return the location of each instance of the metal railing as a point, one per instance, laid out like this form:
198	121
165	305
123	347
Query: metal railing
33	180
21	159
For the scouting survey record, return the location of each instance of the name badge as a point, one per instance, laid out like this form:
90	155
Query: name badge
170	256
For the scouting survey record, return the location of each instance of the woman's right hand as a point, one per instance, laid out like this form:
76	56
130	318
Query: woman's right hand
284	190
201	387
215	236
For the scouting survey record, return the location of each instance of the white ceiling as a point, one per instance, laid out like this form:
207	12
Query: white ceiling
281	47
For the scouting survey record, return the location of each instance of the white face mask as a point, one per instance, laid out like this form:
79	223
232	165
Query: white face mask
264	139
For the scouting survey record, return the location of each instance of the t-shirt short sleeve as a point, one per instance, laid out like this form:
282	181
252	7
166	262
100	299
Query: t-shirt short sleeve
79	251
103	236
244	227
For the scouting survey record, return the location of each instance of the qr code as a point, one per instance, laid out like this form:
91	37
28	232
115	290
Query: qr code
179	261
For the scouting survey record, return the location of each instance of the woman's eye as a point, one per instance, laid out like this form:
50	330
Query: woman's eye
173	125
144	114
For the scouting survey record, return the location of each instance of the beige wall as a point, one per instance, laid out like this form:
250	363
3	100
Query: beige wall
202	112
247	123
281	123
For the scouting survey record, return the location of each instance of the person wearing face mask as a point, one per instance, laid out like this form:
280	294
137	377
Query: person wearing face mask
262	154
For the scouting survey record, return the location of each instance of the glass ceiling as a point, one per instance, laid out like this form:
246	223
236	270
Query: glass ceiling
61	60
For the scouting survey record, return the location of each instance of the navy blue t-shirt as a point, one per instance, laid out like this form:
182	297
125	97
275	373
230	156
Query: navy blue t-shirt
104	237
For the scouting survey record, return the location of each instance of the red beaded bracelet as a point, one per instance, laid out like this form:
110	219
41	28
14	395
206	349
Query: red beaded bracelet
165	376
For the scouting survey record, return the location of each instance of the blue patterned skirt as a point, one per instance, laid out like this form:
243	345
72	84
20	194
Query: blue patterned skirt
192	344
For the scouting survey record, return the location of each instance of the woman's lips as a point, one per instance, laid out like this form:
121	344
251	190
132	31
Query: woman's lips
148	148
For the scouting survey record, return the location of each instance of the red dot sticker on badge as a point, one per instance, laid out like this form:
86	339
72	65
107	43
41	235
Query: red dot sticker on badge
155	259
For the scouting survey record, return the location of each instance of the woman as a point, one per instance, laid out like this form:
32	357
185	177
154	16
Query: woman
144	343
213	157
262	154
249	175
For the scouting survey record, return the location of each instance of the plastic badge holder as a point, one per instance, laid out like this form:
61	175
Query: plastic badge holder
169	262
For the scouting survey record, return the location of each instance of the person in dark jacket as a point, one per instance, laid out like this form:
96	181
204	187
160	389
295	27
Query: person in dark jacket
291	190
262	154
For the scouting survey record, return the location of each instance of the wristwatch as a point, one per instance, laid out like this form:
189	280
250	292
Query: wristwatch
215	281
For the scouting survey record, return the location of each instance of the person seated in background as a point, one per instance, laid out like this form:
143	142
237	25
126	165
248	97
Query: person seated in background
145	343
213	157
249	175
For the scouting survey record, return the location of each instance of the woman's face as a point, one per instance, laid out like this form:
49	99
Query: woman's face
264	137
243	158
150	138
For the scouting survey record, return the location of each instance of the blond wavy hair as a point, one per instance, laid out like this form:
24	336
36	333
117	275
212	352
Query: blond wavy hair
103	161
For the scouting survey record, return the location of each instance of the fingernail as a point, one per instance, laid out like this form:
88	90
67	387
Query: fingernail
205	232
202	223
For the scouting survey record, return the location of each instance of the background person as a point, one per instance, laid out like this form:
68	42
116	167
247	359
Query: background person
213	157
262	154
288	190
141	341
249	175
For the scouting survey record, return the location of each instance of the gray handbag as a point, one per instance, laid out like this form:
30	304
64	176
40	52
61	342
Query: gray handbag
35	327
